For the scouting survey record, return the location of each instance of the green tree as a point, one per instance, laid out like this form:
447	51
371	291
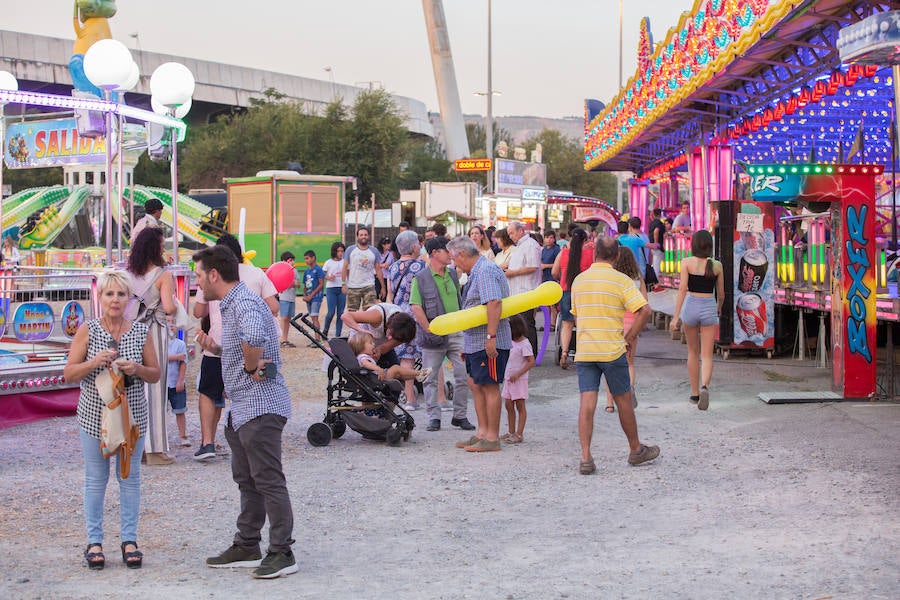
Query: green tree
475	134
367	140
155	173
22	179
564	158
425	161
377	146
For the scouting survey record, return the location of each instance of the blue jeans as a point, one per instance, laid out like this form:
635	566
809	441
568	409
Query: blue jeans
96	476
337	300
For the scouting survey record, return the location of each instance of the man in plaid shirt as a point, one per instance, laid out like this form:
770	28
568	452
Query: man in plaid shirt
487	346
260	408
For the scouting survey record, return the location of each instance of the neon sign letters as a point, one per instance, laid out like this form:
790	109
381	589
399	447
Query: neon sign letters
858	262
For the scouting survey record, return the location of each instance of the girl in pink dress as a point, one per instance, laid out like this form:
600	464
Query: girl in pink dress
515	380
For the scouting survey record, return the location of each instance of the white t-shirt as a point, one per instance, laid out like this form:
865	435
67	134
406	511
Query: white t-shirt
361	272
335	268
527	253
255	279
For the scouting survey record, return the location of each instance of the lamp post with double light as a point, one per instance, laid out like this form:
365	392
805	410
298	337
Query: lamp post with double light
7	82
108	65
172	85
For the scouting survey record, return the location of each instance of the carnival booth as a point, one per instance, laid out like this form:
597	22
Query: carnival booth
47	292
790	162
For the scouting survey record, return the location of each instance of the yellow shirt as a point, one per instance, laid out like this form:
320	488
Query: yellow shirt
600	297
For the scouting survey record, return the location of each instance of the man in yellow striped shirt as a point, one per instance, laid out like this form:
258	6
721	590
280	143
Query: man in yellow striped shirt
600	297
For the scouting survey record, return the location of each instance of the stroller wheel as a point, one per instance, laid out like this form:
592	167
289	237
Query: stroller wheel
319	434
338	427
393	436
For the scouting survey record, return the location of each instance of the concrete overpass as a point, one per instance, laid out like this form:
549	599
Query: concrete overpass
41	64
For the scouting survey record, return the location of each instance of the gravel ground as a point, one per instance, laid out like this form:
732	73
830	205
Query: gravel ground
747	500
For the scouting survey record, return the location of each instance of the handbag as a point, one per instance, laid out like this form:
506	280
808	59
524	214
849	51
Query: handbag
181	318
118	431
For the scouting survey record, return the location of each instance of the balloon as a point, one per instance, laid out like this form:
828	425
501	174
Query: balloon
545	294
281	274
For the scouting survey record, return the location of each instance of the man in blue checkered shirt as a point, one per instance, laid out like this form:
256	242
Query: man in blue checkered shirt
487	346
260	407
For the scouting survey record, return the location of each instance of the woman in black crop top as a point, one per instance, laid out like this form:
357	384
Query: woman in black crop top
697	310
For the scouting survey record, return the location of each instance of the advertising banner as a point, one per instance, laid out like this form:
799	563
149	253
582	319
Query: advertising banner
754	275
853	290
33	322
50	144
512	177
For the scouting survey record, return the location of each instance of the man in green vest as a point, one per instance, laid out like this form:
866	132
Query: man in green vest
434	292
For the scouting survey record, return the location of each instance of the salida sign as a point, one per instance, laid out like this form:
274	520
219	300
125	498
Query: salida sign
50	144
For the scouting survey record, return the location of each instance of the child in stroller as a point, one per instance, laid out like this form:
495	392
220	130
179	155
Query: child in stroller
357	398
363	346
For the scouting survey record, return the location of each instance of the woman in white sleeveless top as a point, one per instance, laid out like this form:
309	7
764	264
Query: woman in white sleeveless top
155	288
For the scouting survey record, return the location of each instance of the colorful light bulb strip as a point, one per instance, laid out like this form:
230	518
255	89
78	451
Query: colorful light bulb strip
54	101
32	382
805	96
703	43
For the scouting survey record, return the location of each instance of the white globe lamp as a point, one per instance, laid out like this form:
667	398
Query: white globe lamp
172	84
107	64
8	81
133	77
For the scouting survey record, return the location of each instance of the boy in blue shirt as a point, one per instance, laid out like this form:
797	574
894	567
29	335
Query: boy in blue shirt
287	302
177	352
313	284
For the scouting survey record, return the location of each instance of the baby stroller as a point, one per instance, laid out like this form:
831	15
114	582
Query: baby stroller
356	397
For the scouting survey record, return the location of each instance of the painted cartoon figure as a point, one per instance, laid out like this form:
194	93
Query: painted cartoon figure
74	317
91	23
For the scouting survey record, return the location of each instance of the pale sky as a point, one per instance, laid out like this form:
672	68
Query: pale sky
548	55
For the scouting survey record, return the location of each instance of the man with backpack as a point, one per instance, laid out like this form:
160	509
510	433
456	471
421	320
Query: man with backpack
434	292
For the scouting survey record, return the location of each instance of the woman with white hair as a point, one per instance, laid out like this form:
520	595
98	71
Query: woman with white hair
400	278
97	344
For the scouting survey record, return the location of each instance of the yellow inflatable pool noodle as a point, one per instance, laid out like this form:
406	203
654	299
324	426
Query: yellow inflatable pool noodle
545	294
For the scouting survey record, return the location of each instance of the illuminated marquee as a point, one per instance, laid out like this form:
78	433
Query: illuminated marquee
473	164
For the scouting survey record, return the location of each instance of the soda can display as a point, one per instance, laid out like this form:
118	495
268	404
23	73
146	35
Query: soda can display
751	314
752	271
753	241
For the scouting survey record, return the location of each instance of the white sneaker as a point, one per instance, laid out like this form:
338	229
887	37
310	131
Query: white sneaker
184	442
423	375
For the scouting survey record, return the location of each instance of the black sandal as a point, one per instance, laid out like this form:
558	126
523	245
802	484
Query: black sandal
95	560
132	560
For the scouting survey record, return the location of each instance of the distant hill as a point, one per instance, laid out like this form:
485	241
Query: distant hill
521	128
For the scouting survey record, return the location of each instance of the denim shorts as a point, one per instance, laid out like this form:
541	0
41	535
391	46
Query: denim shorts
286	308
616	371
698	310
565	306
178	400
315	307
484	370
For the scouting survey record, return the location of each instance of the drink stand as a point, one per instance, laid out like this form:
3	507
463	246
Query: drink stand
846	193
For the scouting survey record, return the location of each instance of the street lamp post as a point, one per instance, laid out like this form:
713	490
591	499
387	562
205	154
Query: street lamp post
7	82
330	71
172	85
108	65
489	119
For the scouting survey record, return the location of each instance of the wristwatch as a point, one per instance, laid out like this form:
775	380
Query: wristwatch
490	337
